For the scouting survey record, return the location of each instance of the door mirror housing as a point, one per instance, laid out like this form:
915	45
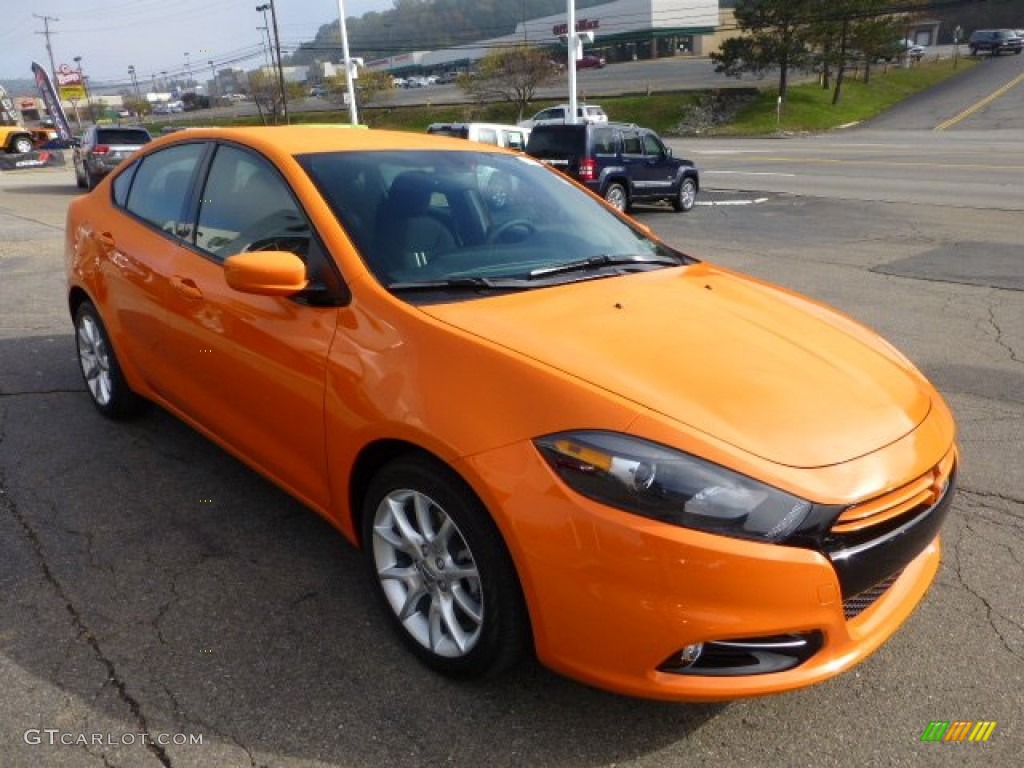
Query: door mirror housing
266	273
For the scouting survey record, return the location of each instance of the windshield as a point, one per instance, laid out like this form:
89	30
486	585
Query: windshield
476	219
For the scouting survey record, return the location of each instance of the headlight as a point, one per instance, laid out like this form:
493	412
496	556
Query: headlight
665	484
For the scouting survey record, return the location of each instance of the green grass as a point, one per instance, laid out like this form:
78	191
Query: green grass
808	106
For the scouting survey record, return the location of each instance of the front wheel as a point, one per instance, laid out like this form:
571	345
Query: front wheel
441	567
107	387
21	145
686	197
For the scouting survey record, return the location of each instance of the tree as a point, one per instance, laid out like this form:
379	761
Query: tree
775	35
511	74
369	85
266	92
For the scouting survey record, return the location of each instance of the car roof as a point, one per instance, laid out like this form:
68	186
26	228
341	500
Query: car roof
302	139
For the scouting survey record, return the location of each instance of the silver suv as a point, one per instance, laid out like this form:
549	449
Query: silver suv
102	149
585	113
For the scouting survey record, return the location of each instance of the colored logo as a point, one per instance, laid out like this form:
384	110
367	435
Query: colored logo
958	730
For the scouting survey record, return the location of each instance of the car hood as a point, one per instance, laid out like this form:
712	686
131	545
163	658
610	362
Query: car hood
767	371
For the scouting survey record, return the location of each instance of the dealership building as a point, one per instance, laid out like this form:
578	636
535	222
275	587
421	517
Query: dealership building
623	30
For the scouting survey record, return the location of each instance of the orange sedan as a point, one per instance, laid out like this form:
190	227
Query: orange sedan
545	428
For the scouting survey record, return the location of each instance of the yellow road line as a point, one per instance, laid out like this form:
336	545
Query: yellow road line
980	105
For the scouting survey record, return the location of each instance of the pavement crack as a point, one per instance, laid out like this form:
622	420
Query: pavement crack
1000	336
81	627
990	611
35	392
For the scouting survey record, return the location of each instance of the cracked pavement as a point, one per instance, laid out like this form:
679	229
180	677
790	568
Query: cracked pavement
149	583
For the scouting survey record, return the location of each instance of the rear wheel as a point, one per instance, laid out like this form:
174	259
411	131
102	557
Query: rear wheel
686	197
79	177
616	195
107	387
442	570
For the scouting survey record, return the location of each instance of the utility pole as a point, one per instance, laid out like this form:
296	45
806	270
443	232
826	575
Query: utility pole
49	48
280	65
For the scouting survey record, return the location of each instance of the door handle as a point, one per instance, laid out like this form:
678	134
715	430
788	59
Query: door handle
187	287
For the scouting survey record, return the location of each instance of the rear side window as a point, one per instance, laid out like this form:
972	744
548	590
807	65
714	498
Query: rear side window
604	141
556	142
121	136
160	188
631	144
123	183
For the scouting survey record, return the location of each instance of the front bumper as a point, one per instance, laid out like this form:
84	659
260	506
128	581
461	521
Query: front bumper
612	595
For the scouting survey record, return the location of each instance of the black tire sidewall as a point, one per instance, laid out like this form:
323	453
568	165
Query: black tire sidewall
123	402
504	632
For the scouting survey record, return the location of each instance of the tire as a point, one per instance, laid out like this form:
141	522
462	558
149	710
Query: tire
616	195
686	196
21	145
79	178
104	381
90	180
442	571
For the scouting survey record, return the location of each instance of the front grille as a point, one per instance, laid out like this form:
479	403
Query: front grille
872	542
856	605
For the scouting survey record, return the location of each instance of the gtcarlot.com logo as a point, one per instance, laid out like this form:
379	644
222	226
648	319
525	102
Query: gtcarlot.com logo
958	730
55	736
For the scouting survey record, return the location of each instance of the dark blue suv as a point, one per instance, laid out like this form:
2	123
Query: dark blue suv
623	163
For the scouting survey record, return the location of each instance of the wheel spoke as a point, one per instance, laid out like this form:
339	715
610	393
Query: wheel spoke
387	534
468	604
421	504
412	600
407	574
454	630
405	528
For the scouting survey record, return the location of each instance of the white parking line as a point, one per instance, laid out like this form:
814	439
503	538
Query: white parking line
716	203
747	173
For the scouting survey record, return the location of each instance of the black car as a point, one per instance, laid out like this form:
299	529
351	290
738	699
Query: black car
995	41
102	149
623	163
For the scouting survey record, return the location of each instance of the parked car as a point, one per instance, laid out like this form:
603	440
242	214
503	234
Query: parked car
102	149
545	427
995	42
591	61
508	136
585	113
623	163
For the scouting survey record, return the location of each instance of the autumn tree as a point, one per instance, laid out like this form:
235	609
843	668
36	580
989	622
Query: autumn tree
266	93
510	74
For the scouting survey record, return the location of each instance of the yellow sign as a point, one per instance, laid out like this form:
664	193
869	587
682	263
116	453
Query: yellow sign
72	92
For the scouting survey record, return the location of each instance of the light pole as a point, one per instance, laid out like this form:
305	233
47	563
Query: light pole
349	65
265	45
214	89
85	87
135	82
188	72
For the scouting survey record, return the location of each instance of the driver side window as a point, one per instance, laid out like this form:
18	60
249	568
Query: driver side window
246	206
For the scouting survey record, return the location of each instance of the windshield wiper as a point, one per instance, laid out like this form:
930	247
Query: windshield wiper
604	260
461	284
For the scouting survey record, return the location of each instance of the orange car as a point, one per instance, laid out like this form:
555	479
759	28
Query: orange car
544	427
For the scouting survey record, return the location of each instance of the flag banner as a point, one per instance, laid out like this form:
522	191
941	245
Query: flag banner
53	106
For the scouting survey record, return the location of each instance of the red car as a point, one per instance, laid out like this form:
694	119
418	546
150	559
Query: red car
590	61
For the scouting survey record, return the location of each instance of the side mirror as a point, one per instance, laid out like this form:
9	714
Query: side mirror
266	273
668	151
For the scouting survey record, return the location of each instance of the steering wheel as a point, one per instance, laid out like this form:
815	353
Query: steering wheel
524	228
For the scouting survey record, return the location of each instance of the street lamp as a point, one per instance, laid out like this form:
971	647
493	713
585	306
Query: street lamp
85	87
214	88
188	72
350	65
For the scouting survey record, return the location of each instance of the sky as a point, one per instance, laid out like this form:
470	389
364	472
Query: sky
155	35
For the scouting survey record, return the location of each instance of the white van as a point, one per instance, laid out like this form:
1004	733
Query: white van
509	136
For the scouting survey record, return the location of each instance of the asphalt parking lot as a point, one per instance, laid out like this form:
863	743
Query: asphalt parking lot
150	584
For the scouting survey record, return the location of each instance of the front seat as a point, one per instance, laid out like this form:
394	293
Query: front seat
407	236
